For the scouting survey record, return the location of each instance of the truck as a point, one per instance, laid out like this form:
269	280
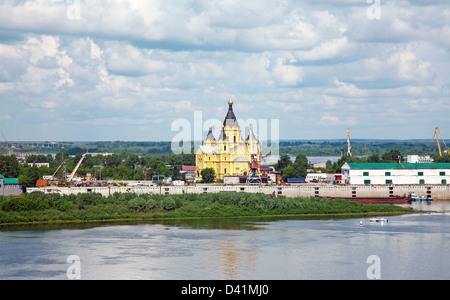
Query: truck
296	180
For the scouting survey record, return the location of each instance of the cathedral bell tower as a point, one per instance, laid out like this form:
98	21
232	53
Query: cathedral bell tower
230	154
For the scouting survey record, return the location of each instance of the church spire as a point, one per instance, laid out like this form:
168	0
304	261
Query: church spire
210	137
230	118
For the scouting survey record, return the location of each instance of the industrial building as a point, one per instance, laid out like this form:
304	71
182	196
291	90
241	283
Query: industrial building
10	186
396	173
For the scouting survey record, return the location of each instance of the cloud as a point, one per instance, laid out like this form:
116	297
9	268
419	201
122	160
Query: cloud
330	120
286	75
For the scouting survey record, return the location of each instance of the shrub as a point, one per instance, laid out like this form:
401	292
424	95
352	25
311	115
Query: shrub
24	204
64	205
137	203
151	204
168	203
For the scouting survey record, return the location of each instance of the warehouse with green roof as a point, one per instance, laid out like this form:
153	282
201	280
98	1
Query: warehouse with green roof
10	186
396	173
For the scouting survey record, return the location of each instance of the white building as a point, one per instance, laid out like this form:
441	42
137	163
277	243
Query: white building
395	173
40	165
419	159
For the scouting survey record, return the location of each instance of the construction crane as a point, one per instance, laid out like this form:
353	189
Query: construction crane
436	135
54	174
254	176
76	168
349	147
6	141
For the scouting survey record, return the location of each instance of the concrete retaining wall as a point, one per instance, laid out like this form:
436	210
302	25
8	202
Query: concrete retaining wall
435	191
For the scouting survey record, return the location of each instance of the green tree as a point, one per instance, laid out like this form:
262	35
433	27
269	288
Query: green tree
441	159
392	156
374	158
283	162
289	172
176	174
9	166
26	181
208	175
122	172
301	165
168	203
329	165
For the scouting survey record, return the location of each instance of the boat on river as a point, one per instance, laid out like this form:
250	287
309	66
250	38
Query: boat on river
416	198
378	220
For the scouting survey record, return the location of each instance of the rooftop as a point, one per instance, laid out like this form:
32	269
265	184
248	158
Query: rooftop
230	118
399	166
9	180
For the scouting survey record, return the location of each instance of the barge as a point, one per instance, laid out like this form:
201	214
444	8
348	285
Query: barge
381	200
388	200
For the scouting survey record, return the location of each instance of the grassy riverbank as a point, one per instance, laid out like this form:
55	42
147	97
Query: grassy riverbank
38	207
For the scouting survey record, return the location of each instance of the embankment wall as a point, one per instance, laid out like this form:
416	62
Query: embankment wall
435	191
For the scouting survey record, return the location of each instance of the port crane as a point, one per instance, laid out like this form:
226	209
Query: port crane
54	174
77	166
254	176
436	135
6	141
349	147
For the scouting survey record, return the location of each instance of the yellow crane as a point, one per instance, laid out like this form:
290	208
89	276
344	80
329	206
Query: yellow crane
122	186
436	135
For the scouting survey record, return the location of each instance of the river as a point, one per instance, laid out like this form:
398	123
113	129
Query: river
413	246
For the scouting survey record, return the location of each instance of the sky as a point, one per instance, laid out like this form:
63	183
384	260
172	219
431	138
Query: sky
76	70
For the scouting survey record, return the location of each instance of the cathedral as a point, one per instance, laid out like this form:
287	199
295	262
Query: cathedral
230	154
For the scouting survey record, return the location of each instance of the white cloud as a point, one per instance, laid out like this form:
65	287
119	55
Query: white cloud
336	48
409	67
331	120
286	75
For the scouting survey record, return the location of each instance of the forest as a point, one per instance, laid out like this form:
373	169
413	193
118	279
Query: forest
359	147
292	147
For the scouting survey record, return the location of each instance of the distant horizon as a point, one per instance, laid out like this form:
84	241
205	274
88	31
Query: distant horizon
167	141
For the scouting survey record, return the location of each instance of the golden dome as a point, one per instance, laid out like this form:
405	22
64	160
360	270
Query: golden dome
230	102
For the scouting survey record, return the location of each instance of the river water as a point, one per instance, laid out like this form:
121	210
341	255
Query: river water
413	246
